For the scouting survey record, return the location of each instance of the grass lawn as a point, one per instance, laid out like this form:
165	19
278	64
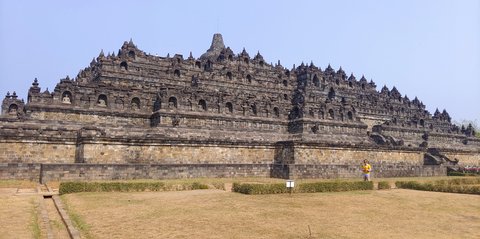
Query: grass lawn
18	215
218	214
17	184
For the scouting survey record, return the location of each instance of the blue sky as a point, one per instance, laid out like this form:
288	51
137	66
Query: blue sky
427	48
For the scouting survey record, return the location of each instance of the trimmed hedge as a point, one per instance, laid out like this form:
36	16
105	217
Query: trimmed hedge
336	186
197	185
455	173
384	185
253	188
75	187
458	185
459	181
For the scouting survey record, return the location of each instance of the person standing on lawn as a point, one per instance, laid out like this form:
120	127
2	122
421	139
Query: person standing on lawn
366	169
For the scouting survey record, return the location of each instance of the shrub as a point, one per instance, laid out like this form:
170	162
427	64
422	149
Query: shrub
253	188
462	181
74	187
460	185
336	186
465	171
407	184
383	185
197	185
71	187
218	185
455	173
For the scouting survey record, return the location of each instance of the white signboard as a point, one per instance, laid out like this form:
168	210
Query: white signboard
290	184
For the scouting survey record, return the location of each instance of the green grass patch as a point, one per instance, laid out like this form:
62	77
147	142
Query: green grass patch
457	185
383	185
77	220
34	225
307	187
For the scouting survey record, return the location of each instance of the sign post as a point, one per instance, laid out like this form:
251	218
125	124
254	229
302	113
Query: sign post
290	185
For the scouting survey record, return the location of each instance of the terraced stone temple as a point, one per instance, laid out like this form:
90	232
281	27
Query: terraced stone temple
136	115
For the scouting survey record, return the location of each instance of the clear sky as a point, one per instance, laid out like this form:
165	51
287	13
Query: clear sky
426	48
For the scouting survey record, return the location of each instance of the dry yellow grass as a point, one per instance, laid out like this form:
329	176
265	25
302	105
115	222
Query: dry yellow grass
17	215
219	214
17	184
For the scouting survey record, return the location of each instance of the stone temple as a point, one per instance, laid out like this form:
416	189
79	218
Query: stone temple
134	115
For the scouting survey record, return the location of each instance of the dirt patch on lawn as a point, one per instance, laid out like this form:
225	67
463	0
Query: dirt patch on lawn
219	214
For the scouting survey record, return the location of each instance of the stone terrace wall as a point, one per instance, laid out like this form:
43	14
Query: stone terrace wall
176	153
20	171
37	152
93	117
37	142
354	156
465	158
352	171
88	172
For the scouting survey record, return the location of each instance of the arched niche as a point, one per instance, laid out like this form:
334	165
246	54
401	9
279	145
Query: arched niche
66	97
202	104
102	100
172	102
135	103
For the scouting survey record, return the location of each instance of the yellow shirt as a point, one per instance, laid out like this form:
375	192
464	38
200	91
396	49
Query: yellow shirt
366	168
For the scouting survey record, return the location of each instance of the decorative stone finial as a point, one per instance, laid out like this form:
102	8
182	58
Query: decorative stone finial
215	48
352	77
385	90
363	79
341	72
35	82
217	43
329	69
